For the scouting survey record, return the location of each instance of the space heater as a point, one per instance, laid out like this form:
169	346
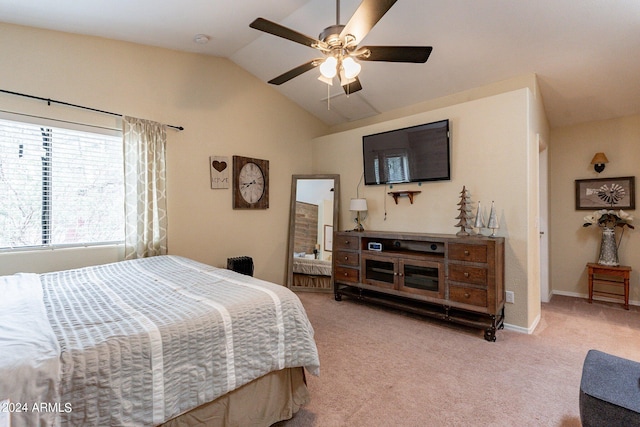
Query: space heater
241	264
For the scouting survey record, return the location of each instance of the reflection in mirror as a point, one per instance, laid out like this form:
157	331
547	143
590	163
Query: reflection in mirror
312	219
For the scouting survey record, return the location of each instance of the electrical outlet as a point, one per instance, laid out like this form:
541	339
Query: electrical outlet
510	296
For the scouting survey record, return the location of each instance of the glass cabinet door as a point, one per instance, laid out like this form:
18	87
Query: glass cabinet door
421	277
379	271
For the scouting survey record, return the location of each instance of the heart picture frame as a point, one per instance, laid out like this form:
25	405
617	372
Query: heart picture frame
219	166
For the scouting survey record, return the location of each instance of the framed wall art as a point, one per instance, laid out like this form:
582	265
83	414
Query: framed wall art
250	183
219	166
606	193
328	238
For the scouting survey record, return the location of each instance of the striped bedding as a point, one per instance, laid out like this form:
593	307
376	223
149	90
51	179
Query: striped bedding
143	341
316	267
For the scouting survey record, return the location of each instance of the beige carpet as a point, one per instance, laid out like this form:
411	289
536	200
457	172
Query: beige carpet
383	368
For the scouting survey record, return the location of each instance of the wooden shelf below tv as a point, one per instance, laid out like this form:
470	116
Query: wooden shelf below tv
410	194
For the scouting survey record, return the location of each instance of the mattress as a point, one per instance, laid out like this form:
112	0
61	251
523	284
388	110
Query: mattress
316	267
140	342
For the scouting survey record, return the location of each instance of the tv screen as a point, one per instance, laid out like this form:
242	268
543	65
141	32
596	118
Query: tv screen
413	154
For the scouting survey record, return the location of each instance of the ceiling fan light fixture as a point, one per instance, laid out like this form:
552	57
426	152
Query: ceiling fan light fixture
329	67
326	80
344	80
351	67
339	46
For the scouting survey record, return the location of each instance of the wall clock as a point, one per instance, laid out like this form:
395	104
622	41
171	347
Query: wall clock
250	183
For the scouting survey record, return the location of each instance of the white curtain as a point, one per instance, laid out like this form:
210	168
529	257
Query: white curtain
145	188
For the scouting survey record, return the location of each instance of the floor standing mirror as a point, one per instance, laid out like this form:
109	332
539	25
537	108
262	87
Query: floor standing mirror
313	217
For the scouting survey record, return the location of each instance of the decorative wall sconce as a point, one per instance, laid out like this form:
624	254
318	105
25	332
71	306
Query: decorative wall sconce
598	162
358	205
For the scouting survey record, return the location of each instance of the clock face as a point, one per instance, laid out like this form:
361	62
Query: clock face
251	182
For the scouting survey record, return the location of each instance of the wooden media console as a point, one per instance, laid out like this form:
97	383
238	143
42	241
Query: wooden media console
457	279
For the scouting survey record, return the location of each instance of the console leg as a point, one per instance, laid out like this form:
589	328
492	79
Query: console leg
496	323
490	334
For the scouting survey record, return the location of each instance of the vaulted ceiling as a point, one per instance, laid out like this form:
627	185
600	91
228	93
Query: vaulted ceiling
584	52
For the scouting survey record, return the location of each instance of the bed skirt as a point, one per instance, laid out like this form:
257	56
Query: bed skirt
274	397
311	281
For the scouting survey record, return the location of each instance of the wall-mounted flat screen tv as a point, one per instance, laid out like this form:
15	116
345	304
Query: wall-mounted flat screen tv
413	154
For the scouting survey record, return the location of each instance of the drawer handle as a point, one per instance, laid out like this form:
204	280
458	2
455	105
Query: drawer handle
467	295
346	242
466	253
466	274
346	258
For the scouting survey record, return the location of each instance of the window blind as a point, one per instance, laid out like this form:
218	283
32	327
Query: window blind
59	186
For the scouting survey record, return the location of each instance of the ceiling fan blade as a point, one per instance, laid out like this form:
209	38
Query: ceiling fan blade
417	54
284	32
352	87
365	17
296	71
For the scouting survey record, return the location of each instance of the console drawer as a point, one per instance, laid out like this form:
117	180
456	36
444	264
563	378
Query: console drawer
468	274
471	253
346	242
347	258
343	274
465	295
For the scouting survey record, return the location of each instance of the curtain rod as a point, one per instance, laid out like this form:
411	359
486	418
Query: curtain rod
49	101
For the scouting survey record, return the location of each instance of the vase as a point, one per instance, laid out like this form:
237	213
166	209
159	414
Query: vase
608	248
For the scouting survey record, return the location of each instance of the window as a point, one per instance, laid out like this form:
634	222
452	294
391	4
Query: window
59	186
395	166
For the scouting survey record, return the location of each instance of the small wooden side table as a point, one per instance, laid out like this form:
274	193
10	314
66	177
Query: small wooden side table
609	276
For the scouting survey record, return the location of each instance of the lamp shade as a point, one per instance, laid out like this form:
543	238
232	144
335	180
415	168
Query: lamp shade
328	68
358	205
351	67
599	159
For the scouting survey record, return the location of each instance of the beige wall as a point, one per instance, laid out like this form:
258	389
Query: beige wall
225	112
494	154
572	246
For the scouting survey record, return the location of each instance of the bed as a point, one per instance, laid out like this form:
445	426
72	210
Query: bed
155	341
311	273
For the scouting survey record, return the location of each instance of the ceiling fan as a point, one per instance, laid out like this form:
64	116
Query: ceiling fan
339	44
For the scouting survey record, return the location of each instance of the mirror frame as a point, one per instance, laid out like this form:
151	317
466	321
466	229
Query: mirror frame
292	217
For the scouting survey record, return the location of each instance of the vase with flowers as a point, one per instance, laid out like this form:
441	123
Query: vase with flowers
608	220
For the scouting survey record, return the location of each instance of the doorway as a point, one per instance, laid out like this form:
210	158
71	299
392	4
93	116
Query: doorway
543	218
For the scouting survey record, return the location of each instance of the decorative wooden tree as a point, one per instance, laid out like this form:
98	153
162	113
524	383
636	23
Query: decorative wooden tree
465	218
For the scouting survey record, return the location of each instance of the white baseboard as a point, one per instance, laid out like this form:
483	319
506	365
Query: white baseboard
521	329
585	296
533	326
568	294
